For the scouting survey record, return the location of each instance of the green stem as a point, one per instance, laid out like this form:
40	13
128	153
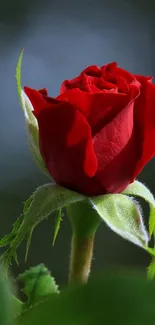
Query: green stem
81	257
84	221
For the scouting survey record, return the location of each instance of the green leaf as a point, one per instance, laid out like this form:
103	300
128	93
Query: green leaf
17	306
7	306
44	201
151	270
139	189
123	216
122	299
31	121
38	284
57	225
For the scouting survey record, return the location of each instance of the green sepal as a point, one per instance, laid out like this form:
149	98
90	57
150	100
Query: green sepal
123	215
31	121
138	189
57	225
43	202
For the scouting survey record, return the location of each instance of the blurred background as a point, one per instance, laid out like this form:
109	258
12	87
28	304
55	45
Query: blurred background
60	39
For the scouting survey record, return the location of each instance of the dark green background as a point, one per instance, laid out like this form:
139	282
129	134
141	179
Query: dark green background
61	38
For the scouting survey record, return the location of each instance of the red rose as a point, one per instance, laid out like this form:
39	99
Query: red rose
98	134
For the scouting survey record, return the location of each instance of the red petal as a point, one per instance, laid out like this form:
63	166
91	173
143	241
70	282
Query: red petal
112	70
116	152
108	68
38	99
125	74
145	122
69	84
43	91
93	71
66	146
64	86
79	81
98	108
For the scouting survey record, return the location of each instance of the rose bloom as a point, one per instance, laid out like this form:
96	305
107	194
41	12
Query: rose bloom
98	134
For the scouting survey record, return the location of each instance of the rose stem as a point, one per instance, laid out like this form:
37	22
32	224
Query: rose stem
85	221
